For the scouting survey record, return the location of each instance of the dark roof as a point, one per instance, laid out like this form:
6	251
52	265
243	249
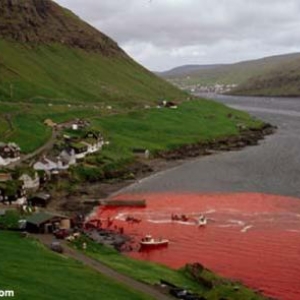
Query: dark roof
43	196
42	217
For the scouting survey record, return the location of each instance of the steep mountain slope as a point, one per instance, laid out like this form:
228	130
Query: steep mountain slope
48	52
263	69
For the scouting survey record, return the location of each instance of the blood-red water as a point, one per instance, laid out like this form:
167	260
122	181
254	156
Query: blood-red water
250	237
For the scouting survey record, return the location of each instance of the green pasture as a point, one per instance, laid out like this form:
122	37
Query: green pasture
34	272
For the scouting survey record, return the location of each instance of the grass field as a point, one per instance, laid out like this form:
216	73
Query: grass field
56	73
34	272
152	273
153	129
166	129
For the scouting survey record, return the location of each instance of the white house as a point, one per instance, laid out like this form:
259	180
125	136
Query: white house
45	164
93	145
68	157
30	182
62	162
9	153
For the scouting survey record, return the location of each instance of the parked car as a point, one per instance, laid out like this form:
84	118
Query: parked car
56	247
62	233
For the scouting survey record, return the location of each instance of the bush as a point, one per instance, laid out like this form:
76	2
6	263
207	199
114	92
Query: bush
90	174
10	220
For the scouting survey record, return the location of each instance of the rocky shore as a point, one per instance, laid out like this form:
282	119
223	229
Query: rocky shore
247	137
85	196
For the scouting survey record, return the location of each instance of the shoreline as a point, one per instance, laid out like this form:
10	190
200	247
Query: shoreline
86	197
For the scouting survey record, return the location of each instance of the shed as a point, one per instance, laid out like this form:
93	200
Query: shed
45	222
40	199
5	177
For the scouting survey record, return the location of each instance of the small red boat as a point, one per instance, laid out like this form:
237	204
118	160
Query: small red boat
149	242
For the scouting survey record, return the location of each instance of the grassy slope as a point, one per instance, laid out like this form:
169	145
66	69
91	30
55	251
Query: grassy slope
155	129
152	273
35	273
161	129
56	73
240	72
280	81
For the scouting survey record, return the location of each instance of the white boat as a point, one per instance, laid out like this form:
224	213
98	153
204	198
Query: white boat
202	221
149	241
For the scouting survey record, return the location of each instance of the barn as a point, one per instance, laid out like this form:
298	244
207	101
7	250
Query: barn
45	222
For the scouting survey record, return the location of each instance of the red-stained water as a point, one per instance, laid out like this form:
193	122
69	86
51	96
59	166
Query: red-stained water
251	237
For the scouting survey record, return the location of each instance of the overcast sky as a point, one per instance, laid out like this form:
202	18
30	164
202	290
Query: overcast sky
162	34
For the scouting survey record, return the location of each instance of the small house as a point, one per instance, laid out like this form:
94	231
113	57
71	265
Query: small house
45	222
9	153
80	124
94	141
92	134
13	192
68	157
80	149
39	199
45	164
5	177
31	181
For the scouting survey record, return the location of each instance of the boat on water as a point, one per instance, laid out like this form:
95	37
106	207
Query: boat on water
148	241
202	221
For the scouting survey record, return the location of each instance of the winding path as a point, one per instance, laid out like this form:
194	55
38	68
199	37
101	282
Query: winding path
47	146
103	269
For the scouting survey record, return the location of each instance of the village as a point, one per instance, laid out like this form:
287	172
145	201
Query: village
23	183
25	179
200	88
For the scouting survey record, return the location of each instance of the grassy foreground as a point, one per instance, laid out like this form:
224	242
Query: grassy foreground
152	273
34	272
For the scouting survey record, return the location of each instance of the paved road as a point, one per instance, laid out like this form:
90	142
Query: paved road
271	167
46	147
103	269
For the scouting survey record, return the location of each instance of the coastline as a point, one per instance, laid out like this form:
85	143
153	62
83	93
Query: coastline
86	196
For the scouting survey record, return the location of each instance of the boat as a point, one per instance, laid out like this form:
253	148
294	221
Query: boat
148	241
202	221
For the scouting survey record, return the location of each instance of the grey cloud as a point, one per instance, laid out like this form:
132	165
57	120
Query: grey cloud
165	33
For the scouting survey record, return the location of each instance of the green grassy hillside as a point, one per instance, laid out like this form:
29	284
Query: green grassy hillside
34	272
47	53
282	80
57	73
61	68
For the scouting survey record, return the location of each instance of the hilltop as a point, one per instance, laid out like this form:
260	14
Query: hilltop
186	70
275	75
44	22
48	53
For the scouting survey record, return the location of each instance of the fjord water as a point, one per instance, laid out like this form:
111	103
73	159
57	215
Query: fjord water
250	197
250	237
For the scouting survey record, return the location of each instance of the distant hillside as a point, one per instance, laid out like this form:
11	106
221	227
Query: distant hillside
283	80
186	70
257	71
48	53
